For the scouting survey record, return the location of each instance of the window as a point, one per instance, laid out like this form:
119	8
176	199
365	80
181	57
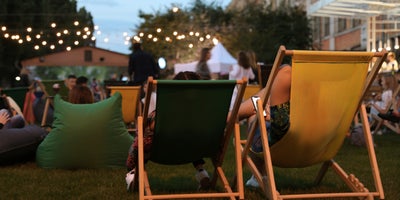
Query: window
342	25
326	29
356	22
88	56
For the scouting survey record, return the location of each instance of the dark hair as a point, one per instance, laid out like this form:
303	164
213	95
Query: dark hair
81	80
137	46
252	58
203	54
71	76
243	60
80	94
187	75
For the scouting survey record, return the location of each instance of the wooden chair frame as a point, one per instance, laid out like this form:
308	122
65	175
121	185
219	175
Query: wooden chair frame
266	178
232	126
378	122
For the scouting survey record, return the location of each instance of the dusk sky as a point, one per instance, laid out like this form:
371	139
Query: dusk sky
116	19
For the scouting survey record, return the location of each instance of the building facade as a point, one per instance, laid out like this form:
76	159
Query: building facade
347	24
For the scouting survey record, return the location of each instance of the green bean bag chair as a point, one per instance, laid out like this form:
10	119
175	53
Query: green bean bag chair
86	136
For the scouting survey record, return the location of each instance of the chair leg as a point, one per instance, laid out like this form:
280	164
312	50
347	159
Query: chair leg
394	127
239	168
371	153
46	109
324	168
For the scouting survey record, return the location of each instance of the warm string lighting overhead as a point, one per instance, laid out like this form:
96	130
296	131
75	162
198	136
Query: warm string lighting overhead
380	45
38	37
175	35
388	47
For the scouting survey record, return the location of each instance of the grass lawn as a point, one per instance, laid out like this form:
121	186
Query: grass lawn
27	181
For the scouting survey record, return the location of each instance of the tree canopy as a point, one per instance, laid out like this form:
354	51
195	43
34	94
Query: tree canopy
178	35
32	28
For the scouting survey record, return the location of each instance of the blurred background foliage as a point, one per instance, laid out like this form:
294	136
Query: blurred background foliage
254	27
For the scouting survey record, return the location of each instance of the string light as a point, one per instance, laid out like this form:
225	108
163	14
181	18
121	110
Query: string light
388	47
38	36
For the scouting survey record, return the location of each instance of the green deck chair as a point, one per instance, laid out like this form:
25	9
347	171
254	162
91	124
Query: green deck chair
47	87
191	123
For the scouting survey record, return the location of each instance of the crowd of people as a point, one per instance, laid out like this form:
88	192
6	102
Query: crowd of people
384	103
142	65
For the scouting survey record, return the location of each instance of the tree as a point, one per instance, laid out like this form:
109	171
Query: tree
263	30
32	28
178	35
258	28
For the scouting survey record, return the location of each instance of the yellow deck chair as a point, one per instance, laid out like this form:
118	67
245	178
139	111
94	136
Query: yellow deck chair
131	105
191	123
251	90
326	91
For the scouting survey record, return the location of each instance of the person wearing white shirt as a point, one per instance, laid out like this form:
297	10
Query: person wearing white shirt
392	65
383	66
383	100
241	70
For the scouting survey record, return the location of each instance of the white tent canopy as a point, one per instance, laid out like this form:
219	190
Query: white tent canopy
220	59
220	62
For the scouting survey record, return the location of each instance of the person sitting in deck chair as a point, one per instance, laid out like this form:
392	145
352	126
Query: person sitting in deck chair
277	118
131	178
